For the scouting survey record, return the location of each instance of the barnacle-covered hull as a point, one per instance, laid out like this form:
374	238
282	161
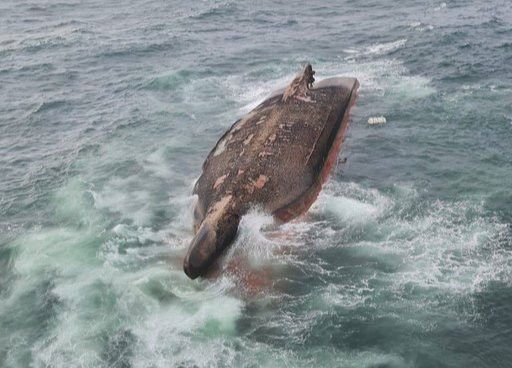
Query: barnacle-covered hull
276	157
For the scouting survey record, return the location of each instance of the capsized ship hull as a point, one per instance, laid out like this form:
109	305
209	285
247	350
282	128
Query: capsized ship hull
276	157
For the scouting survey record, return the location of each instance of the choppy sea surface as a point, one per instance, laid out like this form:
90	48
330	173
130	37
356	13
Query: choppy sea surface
107	111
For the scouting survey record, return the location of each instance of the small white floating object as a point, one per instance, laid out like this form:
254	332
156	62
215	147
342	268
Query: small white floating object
377	120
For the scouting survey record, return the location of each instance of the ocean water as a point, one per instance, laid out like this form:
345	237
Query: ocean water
107	111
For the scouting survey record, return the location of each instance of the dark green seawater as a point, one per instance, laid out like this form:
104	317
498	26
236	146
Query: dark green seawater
107	111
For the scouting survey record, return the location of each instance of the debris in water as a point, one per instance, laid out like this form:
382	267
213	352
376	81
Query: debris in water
377	120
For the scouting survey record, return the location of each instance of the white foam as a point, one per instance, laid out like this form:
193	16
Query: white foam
387	47
251	242
356	205
440	6
116	197
350	51
449	249
118	292
442	250
347	295
165	335
410	88
250	93
348	209
156	163
420	27
386	79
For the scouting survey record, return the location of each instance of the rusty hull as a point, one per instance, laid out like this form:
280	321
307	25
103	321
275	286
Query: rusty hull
276	157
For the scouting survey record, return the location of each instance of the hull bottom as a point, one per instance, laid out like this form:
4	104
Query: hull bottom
301	205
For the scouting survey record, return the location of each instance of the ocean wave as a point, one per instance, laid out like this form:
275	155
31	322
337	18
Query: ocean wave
387	47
